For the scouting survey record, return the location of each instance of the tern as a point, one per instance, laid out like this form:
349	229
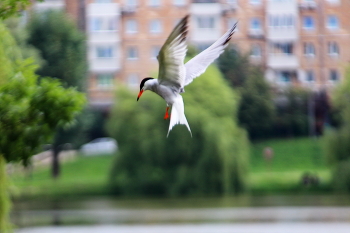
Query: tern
174	75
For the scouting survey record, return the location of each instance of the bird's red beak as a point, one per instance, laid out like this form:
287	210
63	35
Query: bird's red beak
140	93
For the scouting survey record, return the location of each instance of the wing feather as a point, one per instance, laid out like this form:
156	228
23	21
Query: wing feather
197	65
171	57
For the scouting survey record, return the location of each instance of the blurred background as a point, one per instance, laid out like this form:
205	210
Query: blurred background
270	119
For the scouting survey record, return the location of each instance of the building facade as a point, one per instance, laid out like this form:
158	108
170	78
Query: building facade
298	42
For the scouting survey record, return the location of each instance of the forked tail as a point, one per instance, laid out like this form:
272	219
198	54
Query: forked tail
178	114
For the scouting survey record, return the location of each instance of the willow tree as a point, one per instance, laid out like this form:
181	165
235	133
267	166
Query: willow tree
213	161
30	111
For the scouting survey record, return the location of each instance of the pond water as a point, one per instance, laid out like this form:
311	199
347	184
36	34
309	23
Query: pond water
240	209
200	228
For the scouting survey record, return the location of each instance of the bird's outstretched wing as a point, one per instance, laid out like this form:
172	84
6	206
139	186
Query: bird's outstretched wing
197	65
171	57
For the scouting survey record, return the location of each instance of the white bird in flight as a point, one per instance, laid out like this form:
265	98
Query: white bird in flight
174	75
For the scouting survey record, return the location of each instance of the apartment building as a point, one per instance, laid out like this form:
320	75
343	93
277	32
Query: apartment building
298	42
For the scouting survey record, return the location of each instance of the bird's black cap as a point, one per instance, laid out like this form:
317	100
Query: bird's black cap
143	82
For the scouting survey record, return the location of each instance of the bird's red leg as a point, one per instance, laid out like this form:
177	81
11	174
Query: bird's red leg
166	113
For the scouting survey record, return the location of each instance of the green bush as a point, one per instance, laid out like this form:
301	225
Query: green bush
341	176
213	161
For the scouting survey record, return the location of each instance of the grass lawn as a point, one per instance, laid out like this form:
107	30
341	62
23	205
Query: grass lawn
292	158
84	175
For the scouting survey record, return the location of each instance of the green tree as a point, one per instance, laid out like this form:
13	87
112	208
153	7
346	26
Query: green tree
20	34
30	110
10	7
213	161
291	118
63	48
61	45
235	66
256	108
337	141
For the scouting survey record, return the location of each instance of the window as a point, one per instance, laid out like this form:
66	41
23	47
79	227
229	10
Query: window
132	53
96	24
333	75
131	2
104	51
154	3
289	21
281	21
255	2
103	24
133	81
155	26
308	23
179	2
206	22
309	49
310	77
285	76
333	48
105	80
282	48
155	52
131	26
255	24
332	22
256	51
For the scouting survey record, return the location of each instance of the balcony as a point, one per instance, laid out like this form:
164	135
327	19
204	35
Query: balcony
282	7
229	6
309	5
283	61
103	9
104	65
46	5
282	34
127	10
256	34
205	1
206	8
104	37
206	26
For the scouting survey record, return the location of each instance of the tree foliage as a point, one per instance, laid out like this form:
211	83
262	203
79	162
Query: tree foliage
256	108
62	46
11	7
30	110
235	66
214	161
291	118
337	141
28	106
20	34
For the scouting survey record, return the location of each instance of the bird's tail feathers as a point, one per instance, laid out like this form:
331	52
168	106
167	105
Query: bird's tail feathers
178	114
